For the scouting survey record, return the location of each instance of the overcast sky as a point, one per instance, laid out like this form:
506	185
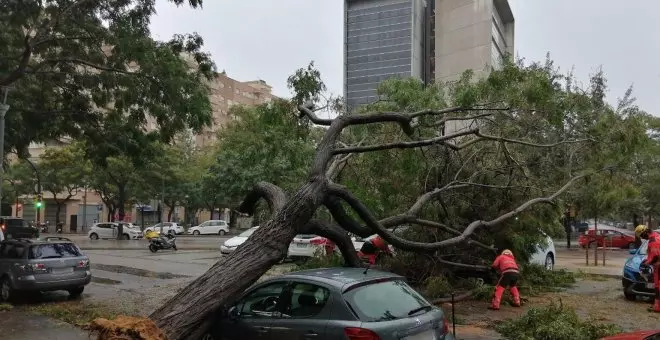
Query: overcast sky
267	39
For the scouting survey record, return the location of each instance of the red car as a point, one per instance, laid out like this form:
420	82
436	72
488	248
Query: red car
639	335
607	237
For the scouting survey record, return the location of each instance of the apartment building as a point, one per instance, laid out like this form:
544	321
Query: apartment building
432	40
87	205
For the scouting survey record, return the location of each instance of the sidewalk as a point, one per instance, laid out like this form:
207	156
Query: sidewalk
23	326
574	260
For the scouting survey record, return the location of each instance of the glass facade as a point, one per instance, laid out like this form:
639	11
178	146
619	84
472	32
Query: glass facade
379	39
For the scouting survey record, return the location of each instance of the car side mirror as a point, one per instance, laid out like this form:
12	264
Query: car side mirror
632	251
233	313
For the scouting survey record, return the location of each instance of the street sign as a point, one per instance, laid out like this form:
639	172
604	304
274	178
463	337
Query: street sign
100	207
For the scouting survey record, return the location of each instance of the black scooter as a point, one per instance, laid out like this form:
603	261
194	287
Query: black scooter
162	242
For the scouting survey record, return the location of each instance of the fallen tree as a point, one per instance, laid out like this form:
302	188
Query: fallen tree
190	313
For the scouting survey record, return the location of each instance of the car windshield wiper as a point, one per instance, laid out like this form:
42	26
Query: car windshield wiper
387	316
51	257
419	309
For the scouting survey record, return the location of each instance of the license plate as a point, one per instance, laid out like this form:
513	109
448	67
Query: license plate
62	270
650	286
427	335
301	245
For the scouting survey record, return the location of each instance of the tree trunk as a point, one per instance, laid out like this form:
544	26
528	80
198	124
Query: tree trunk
122	212
169	214
57	213
189	314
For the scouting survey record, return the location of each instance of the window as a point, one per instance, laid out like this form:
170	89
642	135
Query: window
247	233
54	251
307	300
262	301
104	225
387	300
643	248
11	251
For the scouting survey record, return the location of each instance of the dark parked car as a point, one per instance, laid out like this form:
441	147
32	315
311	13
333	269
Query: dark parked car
54	263
332	303
14	227
634	284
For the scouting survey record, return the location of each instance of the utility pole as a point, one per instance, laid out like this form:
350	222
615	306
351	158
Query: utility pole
3	110
84	221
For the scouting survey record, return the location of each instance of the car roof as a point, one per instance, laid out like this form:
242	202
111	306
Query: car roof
341	276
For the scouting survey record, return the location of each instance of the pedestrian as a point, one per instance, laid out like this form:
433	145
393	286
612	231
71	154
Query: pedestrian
652	259
507	268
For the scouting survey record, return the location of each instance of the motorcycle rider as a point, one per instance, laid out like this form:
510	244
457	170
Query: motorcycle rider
652	259
507	268
372	247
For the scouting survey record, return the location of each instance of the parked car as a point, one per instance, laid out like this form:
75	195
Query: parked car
608	237
633	283
305	246
637	335
15	227
167	227
108	230
580	227
231	244
211	227
53	263
332	303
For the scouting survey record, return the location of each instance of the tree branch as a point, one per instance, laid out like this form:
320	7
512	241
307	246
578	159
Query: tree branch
404	145
17	73
367	216
271	193
337	235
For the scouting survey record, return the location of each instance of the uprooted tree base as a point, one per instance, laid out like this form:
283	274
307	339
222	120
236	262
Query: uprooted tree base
126	328
190	313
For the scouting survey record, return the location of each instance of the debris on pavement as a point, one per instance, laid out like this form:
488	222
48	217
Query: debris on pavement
126	328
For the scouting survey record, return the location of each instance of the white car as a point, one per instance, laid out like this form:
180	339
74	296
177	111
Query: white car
545	255
108	230
166	227
231	244
211	227
306	245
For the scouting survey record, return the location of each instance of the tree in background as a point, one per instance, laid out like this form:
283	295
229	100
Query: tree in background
63	172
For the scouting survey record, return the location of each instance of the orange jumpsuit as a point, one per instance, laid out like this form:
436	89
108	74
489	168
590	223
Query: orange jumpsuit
653	259
507	267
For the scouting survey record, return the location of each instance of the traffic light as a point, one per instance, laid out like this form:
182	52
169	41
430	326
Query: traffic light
38	202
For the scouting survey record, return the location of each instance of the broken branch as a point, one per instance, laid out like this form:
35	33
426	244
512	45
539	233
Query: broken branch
271	193
404	145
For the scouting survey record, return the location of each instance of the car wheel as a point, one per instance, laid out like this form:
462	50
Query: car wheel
629	296
75	293
93	236
153	248
196	232
126	237
6	291
221	232
549	262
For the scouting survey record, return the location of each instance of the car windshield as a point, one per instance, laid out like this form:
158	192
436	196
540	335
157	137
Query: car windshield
388	300
54	250
247	233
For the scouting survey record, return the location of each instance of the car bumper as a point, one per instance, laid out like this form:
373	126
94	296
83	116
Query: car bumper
226	250
29	282
637	287
295	251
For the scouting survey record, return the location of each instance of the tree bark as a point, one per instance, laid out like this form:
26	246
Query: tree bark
220	286
122	211
169	214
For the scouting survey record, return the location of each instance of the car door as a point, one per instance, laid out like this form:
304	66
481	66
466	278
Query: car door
254	313
213	227
305	311
104	230
204	227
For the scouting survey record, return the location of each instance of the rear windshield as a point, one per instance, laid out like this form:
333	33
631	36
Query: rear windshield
54	250
381	301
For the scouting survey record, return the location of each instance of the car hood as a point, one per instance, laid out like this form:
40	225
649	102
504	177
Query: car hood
235	241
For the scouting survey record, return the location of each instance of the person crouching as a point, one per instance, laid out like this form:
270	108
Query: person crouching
507	268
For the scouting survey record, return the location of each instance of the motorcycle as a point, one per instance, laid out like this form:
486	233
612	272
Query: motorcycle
43	227
163	242
59	227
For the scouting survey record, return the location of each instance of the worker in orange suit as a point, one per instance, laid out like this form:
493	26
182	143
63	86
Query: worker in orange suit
507	268
652	259
372	247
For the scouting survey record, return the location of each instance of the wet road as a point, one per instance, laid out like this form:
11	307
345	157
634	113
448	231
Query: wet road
183	242
16	325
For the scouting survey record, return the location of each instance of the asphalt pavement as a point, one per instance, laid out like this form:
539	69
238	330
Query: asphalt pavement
17	325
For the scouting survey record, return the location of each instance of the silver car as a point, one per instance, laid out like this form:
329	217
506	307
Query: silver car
332	303
32	265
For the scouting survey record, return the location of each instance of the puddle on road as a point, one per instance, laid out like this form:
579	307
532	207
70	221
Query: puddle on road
137	272
105	281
